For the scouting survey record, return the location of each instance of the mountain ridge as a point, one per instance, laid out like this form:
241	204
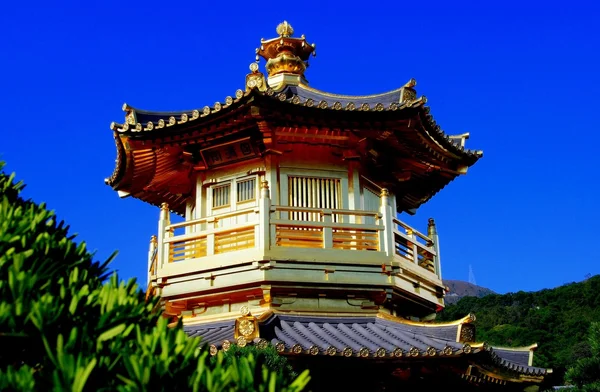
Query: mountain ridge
458	289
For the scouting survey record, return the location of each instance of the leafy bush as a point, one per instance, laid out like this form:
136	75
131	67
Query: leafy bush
66	325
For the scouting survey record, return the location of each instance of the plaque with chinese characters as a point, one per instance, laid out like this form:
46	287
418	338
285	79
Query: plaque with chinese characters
238	150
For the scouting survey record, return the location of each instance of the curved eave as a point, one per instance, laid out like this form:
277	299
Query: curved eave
150	175
144	123
469	157
120	164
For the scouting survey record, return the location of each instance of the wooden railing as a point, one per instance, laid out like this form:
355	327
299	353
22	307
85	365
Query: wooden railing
216	234
414	246
304	227
267	227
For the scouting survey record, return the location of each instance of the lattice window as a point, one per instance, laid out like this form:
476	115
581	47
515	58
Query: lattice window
246	190
221	196
313	192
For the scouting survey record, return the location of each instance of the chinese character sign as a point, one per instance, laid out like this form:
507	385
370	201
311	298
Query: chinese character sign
228	153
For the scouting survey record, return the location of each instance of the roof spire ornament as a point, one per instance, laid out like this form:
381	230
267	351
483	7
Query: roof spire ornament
284	29
287	57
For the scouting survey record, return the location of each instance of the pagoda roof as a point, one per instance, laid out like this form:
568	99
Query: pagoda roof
372	336
141	138
140	122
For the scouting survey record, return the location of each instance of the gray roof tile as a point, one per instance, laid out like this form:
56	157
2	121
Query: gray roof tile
370	333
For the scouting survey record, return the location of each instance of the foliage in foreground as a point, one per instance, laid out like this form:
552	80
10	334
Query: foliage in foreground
585	373
65	326
269	356
557	319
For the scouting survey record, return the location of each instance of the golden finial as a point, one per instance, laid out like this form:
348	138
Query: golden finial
284	29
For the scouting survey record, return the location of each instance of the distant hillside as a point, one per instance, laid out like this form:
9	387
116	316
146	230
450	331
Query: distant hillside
556	319
460	289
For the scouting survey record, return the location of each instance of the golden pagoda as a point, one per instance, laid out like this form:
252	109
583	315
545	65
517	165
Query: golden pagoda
290	237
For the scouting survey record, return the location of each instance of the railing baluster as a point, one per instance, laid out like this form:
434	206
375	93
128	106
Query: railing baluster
414	250
264	212
163	222
386	218
432	233
211	224
328	230
152	258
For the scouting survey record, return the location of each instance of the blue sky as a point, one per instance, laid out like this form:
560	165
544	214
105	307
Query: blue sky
522	78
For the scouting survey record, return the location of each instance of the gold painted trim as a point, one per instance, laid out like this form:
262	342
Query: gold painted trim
522	377
520	349
465	320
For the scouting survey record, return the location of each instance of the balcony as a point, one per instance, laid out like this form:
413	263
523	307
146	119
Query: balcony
251	238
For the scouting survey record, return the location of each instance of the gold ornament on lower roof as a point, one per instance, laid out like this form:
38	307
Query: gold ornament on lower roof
213	350
246	327
241	341
262	344
296	349
226	345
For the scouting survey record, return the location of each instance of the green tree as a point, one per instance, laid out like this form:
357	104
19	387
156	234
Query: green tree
67	324
585	373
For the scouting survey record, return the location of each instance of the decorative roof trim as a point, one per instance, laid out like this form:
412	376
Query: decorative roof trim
349	97
170	119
